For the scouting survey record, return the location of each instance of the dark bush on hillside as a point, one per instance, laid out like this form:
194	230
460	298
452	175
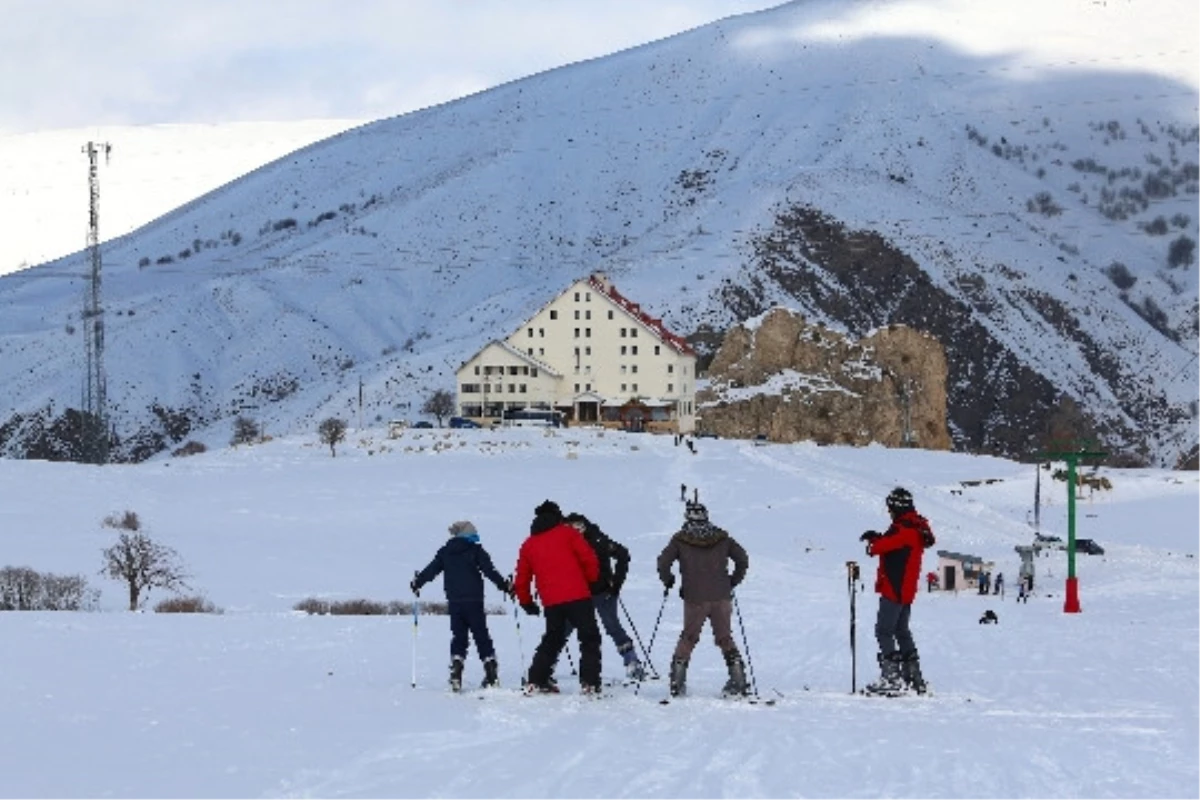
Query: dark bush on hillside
186	605
1119	274
1182	252
192	448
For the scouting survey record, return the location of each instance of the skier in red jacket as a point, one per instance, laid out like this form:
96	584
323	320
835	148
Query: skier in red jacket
899	548
564	565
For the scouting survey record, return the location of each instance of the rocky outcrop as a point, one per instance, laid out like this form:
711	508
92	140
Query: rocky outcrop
780	377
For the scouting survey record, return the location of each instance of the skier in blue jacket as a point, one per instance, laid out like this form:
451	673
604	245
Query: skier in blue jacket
464	563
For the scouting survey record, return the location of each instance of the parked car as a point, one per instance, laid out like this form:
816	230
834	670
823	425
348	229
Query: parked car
422	424
706	435
463	422
1088	546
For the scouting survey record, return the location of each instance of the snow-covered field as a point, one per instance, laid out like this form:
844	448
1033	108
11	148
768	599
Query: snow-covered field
263	701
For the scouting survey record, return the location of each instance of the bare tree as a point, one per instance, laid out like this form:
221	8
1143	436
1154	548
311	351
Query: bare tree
440	404
245	430
332	431
139	561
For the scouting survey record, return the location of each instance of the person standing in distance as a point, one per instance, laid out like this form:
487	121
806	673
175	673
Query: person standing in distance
899	549
564	565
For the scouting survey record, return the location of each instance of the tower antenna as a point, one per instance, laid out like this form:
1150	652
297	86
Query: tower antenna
94	436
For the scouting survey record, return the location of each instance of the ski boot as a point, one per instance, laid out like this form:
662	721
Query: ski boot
890	684
736	685
679	677
532	688
456	672
910	673
634	670
491	674
590	690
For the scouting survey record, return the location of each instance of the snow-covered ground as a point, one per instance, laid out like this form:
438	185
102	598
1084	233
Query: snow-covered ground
263	701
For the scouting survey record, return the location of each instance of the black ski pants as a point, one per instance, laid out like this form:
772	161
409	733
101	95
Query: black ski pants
891	629
580	615
469	616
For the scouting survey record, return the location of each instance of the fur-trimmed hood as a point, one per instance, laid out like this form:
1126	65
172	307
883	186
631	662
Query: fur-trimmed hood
700	533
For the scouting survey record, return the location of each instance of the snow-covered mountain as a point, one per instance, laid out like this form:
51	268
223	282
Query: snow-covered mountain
1021	182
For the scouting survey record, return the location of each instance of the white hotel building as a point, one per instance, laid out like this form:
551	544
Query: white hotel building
592	355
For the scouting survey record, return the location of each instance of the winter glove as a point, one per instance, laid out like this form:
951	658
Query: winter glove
616	589
508	589
669	581
531	609
870	536
416	587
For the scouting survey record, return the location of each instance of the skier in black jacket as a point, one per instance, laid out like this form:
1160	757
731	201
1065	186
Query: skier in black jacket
463	562
606	590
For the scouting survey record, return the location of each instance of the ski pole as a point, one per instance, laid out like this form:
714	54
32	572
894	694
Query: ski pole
570	659
851	577
654	633
517	619
633	628
745	644
416	619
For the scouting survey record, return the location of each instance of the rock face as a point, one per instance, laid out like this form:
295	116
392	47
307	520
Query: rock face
792	381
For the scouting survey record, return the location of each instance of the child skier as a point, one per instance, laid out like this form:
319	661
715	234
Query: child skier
899	549
606	589
464	563
558	557
703	551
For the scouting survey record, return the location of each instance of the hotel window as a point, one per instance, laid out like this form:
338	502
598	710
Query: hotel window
633	333
623	349
670	387
587	297
577	333
670	368
587	314
577	297
633	369
553	314
622	387
587	332
476	369
610	314
656	349
587	351
512	388
587	387
531	333
523	388
624	369
541	333
577	313
624	333
577	387
633	350
634	389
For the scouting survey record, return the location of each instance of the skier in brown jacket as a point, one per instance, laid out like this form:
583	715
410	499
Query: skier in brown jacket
703	551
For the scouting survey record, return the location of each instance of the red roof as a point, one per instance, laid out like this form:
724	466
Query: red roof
672	340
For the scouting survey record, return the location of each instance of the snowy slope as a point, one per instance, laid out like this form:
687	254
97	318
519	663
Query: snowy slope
260	701
390	253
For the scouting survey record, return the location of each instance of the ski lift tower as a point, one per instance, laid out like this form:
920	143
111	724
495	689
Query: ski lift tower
94	436
1072	453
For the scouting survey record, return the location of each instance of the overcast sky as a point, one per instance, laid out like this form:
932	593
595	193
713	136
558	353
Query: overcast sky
80	63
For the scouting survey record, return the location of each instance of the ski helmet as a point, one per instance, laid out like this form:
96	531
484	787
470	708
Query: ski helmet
899	500
695	512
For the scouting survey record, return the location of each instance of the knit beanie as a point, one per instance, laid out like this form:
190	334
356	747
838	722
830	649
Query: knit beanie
549	508
695	512
462	528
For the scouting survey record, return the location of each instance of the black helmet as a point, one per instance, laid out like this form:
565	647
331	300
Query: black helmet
899	500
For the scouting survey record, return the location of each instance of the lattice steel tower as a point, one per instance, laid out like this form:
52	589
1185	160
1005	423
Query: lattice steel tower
94	438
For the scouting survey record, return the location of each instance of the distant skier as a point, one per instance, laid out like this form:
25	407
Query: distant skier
931	581
704	551
606	589
558	557
998	586
464	563
899	549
